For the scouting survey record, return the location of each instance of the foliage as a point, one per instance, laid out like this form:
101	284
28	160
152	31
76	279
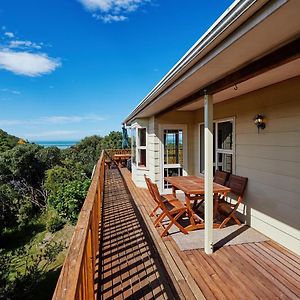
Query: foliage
7	141
56	176
49	157
36	183
112	141
9	206
85	153
69	199
54	222
25	281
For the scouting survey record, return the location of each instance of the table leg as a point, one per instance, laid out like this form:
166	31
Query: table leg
174	191
192	216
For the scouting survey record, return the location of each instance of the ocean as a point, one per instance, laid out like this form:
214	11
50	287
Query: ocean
58	144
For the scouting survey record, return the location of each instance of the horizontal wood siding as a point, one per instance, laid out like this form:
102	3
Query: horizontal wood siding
270	159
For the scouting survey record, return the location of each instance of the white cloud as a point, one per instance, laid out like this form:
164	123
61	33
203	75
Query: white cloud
24	44
53	133
110	18
11	91
9	34
50	120
70	119
112	10
28	64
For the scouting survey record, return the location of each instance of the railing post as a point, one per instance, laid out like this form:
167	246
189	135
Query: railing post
90	267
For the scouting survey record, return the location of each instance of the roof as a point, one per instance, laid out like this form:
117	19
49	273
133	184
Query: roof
246	31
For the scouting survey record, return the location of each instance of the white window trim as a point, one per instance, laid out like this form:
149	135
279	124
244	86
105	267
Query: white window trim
184	129
217	151
138	147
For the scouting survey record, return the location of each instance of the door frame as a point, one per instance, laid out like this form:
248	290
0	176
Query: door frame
163	127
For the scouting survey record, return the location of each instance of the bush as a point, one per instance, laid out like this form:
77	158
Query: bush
25	213
68	199
54	223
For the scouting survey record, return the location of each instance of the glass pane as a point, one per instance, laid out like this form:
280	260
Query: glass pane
142	158
225	162
173	147
225	135
142	136
133	145
202	147
168	172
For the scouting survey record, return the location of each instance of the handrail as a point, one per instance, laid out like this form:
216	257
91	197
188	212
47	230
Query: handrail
76	280
112	152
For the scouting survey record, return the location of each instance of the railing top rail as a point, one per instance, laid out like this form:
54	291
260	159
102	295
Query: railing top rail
68	280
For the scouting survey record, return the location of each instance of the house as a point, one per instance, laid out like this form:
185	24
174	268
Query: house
246	67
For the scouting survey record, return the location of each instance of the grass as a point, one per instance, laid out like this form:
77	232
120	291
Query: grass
33	237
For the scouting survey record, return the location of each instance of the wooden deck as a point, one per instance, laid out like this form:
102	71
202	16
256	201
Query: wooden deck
130	265
249	271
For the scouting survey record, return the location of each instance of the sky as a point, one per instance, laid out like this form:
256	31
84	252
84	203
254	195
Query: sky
74	68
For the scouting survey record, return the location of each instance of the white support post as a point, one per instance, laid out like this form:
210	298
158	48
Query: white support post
208	174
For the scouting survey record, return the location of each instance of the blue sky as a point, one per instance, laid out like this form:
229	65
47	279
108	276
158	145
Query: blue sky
72	68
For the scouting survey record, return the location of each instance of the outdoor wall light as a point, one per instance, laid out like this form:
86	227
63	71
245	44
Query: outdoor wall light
259	122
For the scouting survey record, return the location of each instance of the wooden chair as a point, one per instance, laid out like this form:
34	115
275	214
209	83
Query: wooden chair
167	197
237	184
220	177
171	209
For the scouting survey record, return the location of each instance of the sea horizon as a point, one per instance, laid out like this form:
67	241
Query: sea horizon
58	144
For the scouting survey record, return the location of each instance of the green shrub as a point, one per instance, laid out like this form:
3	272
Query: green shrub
55	223
68	199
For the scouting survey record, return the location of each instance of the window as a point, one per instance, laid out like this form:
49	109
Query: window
223	158
141	147
133	145
173	154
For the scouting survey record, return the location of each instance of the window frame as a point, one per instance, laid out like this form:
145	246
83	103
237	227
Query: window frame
138	147
218	150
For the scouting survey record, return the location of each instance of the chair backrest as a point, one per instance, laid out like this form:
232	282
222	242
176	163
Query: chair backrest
149	186
221	177
158	197
237	185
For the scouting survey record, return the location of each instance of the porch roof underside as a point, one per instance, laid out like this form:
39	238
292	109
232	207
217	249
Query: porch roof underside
260	47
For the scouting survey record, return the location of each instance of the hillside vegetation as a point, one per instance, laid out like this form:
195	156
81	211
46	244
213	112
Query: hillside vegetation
41	194
7	141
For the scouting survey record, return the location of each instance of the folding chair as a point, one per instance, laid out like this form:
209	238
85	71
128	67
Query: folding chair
167	197
237	185
172	209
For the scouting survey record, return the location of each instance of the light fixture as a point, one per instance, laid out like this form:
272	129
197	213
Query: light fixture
259	121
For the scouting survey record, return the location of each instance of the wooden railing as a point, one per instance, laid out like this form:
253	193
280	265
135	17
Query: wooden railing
76	280
112	152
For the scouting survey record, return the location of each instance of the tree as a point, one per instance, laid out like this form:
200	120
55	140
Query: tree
7	141
49	157
69	198
112	141
85	153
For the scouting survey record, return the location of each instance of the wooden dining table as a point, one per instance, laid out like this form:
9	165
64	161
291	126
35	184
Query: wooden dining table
193	188
119	158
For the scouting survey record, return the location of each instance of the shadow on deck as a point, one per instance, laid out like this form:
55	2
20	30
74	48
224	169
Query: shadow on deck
130	266
136	263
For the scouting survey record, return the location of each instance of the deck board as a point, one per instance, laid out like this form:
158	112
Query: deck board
130	267
263	270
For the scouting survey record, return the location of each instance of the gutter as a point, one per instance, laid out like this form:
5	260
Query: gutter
235	10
